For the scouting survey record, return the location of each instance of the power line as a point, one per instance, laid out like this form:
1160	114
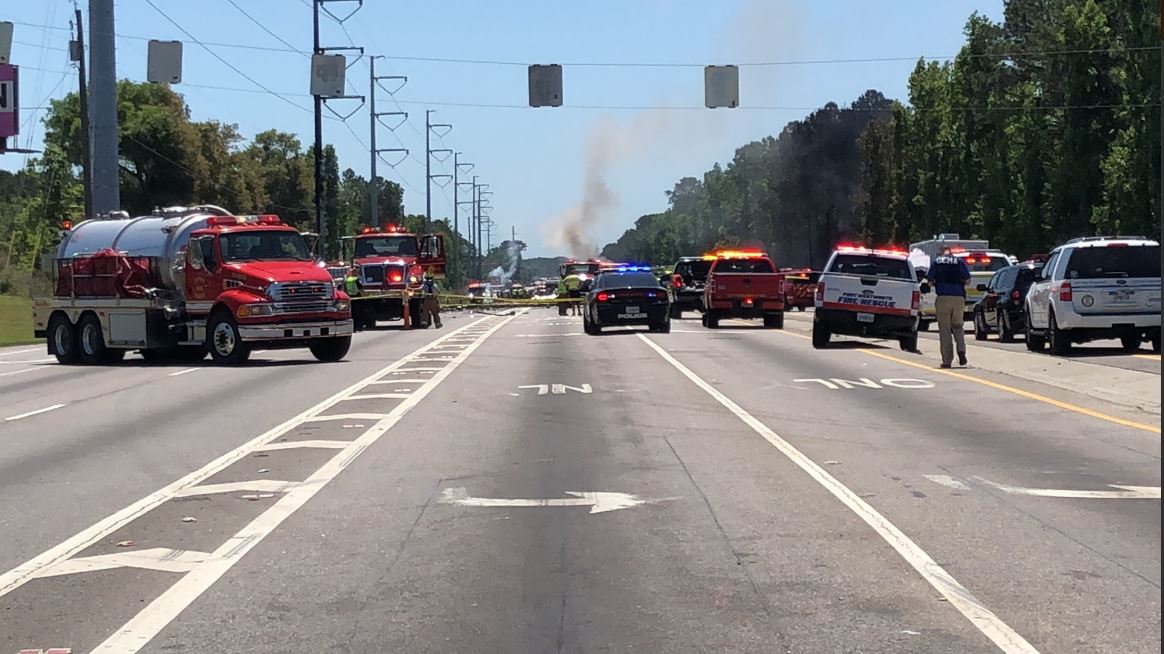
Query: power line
264	27
224	61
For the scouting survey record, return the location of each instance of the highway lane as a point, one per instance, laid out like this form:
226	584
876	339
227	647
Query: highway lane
740	546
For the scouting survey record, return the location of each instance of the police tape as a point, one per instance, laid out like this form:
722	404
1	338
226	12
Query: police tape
475	300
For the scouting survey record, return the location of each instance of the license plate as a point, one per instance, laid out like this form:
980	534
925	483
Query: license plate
632	309
864	317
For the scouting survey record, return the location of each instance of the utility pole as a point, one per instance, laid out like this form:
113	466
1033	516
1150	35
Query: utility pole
475	250
318	147
373	117
78	55
103	119
429	130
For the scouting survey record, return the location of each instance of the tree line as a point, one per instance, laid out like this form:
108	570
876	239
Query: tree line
1045	126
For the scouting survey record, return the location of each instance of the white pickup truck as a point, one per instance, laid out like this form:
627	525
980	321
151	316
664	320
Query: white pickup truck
867	292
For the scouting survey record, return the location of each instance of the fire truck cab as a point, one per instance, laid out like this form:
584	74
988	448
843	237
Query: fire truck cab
386	264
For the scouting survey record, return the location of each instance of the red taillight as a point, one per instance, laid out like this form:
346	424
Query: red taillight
395	277
915	301
1117	245
1015	295
602	297
1065	292
676	281
820	291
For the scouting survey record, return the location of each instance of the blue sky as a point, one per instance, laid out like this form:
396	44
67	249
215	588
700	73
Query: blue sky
533	159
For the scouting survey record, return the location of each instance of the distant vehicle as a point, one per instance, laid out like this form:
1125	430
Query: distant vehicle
867	292
687	282
982	260
799	288
1002	309
386	262
184	281
743	284
628	296
1093	288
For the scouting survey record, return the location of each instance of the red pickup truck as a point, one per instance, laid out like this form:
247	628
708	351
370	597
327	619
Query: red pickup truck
743	284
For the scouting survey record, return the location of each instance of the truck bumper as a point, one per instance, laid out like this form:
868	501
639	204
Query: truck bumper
295	330
883	325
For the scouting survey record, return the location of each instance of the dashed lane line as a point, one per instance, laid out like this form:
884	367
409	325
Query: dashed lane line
21	372
992	626
183	372
21	416
140	629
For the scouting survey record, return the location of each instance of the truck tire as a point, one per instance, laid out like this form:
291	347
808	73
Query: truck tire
224	341
774	320
332	349
1156	342
1130	343
1060	339
91	343
62	336
1035	342
908	343
820	336
675	312
711	319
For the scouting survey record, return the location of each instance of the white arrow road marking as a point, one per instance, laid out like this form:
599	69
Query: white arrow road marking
599	502
947	480
1124	492
157	558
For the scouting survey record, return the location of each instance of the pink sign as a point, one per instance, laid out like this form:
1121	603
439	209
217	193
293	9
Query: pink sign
9	124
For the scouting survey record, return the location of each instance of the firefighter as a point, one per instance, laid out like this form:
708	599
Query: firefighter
430	310
570	287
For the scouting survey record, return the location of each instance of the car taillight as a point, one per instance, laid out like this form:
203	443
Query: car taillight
820	291
676	281
1065	292
1015	295
915	301
602	297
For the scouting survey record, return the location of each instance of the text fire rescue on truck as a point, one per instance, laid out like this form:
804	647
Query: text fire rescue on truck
184	281
385	266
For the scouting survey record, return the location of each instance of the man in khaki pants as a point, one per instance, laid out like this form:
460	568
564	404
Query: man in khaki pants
949	275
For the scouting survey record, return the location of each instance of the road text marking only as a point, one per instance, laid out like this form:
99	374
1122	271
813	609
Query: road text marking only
893	382
1007	639
559	389
598	501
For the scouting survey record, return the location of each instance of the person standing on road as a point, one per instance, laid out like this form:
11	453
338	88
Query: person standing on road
430	310
570	288
949	275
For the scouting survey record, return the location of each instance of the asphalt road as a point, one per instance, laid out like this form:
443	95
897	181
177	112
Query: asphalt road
508	484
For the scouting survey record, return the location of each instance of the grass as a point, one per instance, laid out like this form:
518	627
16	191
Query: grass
15	320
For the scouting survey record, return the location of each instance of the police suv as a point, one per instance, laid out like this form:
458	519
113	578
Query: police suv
867	292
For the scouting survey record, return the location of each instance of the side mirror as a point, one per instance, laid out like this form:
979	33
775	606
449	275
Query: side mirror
925	287
982	287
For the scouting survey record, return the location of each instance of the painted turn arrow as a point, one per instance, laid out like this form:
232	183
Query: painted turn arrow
599	502
1124	492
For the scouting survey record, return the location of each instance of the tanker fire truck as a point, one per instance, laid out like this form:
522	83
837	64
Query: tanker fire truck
386	263
585	270
183	281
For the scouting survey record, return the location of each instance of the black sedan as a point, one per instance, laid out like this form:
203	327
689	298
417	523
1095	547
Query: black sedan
626	297
1001	308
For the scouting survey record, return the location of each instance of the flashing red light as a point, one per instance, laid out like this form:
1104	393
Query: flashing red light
1065	292
369	230
217	221
67	225
603	296
395	277
268	219
1015	295
676	281
739	254
393	228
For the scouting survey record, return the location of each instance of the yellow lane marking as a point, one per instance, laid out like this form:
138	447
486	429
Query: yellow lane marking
1150	357
1155	429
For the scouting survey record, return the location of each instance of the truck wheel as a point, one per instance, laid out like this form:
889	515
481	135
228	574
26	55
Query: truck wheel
675	312
1156	342
224	341
800	307
1005	333
820	336
330	349
1035	342
980	332
63	340
1060	339
1131	342
774	320
91	342
712	319
908	343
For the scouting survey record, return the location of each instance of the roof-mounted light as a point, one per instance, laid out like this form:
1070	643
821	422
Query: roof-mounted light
739	254
219	221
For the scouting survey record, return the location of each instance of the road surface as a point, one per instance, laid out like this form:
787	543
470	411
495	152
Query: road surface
507	484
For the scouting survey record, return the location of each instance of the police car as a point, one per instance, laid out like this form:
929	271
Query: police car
867	292
627	295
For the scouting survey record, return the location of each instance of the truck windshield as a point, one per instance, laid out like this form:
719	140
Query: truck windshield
870	265
693	270
1114	261
264	246
386	246
580	269
755	266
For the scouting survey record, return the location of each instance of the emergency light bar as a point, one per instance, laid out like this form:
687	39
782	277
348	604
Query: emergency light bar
258	219
369	230
847	247
218	221
739	254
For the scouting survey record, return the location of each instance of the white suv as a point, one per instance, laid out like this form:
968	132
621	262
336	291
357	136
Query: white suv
1096	287
864	292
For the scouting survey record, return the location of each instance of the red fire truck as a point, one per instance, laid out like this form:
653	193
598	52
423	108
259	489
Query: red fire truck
385	262
799	287
184	281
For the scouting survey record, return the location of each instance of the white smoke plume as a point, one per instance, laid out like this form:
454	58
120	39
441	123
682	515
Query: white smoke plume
504	274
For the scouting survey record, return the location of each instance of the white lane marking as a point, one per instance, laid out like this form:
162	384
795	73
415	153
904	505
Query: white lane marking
400	381
182	372
1124	492
1007	639
259	485
347	416
44	360
19	575
598	501
291	445
34	413
401	371
140	629
377	396
157	558
21	372
948	481
31	349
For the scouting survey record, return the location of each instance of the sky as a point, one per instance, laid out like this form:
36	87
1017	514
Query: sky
535	161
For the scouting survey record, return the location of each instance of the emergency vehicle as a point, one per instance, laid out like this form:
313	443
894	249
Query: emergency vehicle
982	260
799	287
386	262
183	281
585	271
867	292
743	284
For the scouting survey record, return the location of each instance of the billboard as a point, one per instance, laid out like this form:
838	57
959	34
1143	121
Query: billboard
9	123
